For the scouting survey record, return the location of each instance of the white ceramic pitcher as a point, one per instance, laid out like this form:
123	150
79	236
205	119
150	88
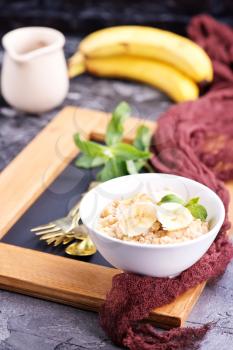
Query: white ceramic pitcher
34	73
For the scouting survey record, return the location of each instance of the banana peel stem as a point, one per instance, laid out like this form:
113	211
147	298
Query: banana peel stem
76	65
75	70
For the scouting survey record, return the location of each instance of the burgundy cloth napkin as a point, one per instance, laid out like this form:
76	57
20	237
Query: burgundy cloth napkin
193	139
217	40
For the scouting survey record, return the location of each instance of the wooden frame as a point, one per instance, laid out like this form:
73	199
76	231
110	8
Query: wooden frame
53	277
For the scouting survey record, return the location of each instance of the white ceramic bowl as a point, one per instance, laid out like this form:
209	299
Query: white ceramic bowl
151	259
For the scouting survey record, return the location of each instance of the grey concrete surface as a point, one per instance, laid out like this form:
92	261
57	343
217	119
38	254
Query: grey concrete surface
31	324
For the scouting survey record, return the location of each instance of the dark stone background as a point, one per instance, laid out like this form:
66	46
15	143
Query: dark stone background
28	323
84	16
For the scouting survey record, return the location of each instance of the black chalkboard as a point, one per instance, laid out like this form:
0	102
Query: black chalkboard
55	202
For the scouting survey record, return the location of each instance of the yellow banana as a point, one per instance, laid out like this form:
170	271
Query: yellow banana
76	65
153	43
160	75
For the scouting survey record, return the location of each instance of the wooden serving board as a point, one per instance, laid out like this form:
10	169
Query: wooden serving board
52	277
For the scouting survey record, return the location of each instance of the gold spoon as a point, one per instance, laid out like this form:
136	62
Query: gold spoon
83	248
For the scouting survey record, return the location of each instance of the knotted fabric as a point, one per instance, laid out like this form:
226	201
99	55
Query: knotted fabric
192	139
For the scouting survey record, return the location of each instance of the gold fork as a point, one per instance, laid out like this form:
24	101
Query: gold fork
67	229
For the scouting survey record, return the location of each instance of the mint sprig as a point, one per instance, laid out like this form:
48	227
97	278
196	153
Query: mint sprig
115	127
197	210
143	138
112	168
92	149
171	198
87	162
116	157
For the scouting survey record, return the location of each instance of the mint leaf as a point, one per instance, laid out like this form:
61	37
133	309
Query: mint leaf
192	201
171	198
87	162
112	169
92	149
131	167
115	128
118	158
124	151
198	211
143	138
139	164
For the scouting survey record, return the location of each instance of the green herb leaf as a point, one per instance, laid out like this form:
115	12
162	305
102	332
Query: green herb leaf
192	201
131	167
139	164
87	162
143	138
118	158
171	198
92	149
112	169
124	151
115	127
197	211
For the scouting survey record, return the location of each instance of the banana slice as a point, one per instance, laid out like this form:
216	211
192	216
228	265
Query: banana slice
173	216
137	218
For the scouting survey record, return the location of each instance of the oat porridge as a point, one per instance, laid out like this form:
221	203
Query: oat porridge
162	219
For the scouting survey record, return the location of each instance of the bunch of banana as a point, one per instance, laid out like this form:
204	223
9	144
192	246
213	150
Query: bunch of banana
165	60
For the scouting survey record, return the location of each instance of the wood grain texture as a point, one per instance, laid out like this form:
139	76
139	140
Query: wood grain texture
55	278
27	176
75	283
45	275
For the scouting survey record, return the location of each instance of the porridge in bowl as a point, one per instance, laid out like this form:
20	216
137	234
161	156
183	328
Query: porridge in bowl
163	219
157	237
